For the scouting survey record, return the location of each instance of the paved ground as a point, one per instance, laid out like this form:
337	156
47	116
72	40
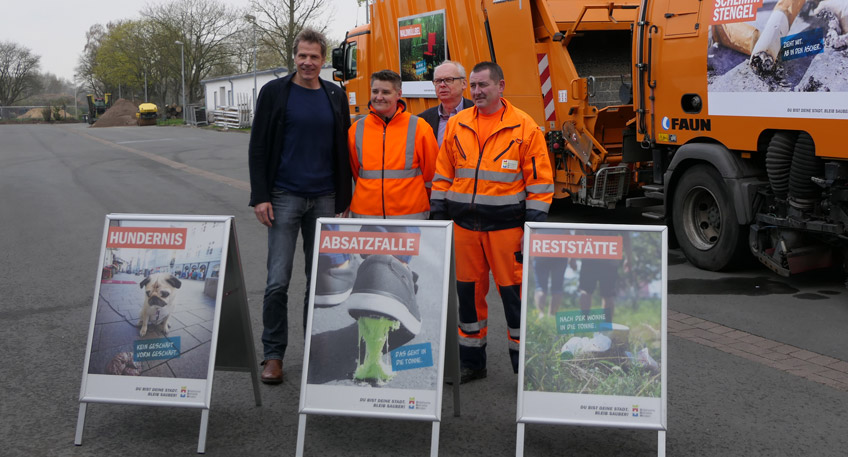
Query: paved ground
756	362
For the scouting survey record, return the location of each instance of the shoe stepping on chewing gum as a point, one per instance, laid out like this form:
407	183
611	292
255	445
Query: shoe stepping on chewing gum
383	302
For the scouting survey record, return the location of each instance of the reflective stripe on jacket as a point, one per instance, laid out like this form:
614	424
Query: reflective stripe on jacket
393	164
492	183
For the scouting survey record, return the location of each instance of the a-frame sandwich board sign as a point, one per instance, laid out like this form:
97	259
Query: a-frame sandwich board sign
376	348
169	308
596	356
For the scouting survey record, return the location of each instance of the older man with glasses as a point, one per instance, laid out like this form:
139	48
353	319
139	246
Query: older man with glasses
449	79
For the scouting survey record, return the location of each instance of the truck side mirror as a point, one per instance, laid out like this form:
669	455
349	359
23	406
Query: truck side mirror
338	59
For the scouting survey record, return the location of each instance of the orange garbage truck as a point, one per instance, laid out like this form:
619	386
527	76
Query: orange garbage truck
727	125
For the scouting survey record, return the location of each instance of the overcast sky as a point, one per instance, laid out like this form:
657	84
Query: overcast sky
55	29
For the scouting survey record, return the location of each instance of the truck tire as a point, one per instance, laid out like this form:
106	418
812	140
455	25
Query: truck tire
704	219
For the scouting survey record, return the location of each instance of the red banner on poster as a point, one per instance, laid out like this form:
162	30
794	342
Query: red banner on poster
727	11
576	246
409	31
370	243
146	237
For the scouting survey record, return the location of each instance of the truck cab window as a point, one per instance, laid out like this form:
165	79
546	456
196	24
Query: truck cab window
350	61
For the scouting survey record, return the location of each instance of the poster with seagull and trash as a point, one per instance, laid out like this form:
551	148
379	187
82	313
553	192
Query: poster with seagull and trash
593	326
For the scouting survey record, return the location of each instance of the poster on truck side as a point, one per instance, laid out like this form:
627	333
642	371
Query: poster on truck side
155	315
422	44
377	316
593	326
778	58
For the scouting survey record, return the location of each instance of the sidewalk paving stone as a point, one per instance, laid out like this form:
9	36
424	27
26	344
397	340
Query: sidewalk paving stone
819	368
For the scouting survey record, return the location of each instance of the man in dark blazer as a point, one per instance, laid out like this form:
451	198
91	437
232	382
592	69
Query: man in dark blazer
449	79
299	171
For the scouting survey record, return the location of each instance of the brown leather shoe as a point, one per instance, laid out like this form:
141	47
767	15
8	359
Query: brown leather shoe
273	371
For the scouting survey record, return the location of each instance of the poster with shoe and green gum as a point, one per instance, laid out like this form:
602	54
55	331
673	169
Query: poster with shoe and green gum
377	316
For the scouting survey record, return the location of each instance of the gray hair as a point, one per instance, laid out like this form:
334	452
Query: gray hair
454	63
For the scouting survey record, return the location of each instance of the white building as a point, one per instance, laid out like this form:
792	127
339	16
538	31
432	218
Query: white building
201	256
234	90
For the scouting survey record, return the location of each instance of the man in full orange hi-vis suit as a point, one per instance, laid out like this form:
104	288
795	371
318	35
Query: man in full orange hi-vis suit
392	156
492	175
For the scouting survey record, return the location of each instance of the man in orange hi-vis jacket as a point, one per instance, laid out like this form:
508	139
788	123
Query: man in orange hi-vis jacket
392	156
492	175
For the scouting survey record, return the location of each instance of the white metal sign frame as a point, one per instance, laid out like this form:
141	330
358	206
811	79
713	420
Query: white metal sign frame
415	361
142	250
559	404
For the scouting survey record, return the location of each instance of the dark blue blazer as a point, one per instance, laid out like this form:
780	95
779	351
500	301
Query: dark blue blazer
431	115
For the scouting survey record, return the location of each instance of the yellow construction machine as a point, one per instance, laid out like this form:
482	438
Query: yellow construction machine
147	114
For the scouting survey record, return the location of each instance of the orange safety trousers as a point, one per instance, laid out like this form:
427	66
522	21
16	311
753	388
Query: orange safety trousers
477	253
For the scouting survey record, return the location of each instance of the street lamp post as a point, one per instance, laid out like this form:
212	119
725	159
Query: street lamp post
182	64
252	19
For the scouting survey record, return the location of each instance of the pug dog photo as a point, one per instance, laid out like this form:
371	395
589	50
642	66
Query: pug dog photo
159	292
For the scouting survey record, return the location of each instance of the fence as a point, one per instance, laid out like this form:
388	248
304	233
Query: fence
196	115
235	117
30	112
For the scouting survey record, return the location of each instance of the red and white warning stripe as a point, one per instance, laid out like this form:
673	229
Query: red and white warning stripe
547	88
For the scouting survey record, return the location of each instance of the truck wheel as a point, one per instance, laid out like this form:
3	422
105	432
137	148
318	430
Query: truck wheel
704	219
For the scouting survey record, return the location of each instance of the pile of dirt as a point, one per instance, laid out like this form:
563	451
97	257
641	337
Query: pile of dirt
36	113
64	114
121	114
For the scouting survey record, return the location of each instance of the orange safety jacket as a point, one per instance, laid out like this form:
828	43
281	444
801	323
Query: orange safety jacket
492	183
393	164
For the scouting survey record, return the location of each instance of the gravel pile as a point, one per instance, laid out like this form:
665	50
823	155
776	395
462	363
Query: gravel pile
121	114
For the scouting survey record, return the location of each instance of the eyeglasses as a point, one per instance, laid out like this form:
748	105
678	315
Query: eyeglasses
436	82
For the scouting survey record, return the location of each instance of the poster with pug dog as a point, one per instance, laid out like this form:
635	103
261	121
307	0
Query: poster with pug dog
155	312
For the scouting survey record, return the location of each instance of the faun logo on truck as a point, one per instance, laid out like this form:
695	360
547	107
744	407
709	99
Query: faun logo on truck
694	124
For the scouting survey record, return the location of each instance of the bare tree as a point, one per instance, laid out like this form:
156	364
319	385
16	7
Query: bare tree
241	47
84	70
52	90
18	72
205	27
279	22
54	85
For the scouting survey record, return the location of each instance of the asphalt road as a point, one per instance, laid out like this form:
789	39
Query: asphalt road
58	182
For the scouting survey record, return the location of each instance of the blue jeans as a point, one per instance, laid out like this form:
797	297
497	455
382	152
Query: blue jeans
291	213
